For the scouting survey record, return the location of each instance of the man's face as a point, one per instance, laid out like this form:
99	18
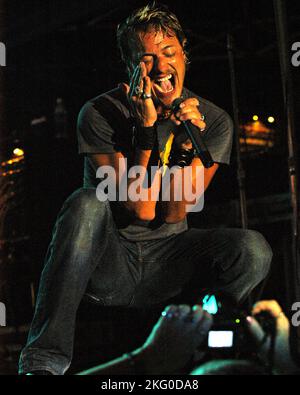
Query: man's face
165	63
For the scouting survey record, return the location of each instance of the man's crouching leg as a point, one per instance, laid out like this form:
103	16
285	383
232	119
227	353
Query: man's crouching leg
245	263
80	234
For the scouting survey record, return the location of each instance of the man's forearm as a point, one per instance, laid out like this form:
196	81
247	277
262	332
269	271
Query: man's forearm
142	199
174	208
195	181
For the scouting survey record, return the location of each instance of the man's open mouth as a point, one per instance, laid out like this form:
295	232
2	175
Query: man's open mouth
164	85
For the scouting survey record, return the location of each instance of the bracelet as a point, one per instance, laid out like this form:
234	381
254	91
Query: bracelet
145	137
181	157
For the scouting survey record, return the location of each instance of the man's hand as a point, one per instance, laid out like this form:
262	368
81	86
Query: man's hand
140	87
189	111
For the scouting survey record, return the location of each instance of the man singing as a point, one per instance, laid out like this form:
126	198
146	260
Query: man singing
139	252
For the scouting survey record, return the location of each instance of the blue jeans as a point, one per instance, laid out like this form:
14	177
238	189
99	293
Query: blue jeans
88	256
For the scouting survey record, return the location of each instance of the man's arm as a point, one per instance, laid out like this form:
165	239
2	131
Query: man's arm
142	209
175	211
146	117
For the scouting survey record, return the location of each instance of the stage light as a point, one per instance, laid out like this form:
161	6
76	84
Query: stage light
237	321
18	152
255	118
271	119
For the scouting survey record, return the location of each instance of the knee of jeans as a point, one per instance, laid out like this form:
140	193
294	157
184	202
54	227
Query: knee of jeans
84	202
258	254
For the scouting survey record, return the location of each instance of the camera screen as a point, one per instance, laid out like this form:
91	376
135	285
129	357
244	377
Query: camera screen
220	339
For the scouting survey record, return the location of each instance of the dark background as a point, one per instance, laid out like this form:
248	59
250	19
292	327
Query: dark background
68	49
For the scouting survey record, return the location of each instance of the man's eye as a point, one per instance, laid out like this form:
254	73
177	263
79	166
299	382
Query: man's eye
170	55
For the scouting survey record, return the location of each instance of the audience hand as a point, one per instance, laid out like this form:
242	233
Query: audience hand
282	358
175	338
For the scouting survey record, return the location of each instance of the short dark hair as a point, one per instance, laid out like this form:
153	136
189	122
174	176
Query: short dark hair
150	17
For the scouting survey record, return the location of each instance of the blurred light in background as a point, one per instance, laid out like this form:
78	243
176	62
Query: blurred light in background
18	152
271	119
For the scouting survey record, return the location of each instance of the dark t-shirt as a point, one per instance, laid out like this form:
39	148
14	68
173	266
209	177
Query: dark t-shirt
105	126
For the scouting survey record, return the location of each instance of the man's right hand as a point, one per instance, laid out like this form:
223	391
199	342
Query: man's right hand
142	107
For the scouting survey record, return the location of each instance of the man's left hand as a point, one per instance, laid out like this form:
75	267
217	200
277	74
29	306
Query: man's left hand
189	111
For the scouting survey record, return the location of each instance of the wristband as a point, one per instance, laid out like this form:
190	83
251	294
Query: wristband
181	157
145	137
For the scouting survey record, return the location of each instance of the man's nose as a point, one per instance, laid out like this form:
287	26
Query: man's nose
161	65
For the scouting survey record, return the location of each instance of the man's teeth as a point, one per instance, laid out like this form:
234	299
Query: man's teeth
164	79
164	85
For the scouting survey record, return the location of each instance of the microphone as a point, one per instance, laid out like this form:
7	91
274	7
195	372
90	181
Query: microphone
197	140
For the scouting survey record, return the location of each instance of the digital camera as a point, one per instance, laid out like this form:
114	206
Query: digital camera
228	336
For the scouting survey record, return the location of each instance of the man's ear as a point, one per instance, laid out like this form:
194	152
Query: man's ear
185	52
185	57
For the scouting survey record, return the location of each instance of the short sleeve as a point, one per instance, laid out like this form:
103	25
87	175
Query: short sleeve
95	134
218	137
